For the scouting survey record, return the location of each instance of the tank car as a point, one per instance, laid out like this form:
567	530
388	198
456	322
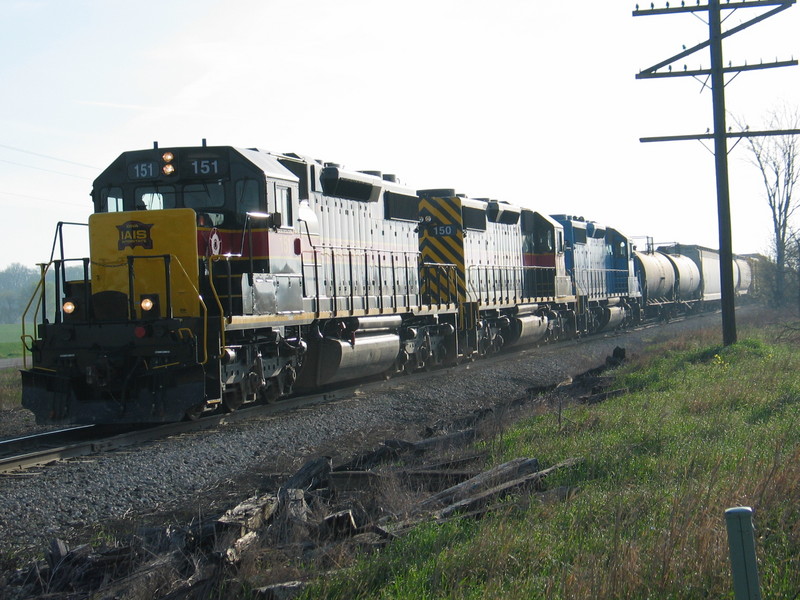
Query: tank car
681	278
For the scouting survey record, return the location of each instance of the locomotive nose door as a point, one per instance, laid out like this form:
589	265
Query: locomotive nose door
147	253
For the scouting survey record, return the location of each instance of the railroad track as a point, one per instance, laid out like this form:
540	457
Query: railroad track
19	454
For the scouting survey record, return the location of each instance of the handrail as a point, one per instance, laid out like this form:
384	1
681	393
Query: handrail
168	258
327	260
202	303
437	269
59	236
211	260
38	291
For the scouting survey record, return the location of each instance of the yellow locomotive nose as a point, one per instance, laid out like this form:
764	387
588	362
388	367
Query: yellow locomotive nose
160	247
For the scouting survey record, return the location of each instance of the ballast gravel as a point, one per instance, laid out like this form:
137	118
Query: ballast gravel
206	472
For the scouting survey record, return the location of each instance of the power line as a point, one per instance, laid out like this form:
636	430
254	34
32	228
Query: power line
11	162
86	205
48	157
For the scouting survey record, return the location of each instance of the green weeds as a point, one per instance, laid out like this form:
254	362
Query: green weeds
703	428
10	389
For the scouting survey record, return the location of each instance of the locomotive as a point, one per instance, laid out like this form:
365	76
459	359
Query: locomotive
219	275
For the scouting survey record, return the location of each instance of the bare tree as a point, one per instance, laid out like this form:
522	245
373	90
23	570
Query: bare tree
778	160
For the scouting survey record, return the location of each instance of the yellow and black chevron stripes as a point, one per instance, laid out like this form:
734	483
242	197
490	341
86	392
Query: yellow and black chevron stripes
441	243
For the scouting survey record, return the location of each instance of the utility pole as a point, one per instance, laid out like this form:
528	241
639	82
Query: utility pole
720	135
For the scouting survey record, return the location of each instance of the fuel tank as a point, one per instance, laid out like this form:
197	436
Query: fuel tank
331	359
613	316
526	329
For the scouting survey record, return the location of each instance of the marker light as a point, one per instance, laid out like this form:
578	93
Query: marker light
167	157
168	169
146	304
68	307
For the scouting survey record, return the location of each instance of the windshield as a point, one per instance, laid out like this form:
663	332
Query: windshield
200	196
154	197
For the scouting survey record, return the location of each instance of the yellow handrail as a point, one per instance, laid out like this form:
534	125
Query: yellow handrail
211	259
202	303
36	293
40	290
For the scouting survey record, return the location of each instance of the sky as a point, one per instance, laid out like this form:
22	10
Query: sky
526	101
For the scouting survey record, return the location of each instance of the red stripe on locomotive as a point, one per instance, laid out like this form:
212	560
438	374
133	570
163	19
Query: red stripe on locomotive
538	260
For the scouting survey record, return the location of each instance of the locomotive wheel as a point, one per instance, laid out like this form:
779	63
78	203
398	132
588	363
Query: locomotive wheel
270	392
231	400
194	412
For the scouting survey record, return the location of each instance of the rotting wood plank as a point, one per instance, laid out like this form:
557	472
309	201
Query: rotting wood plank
511	469
347	481
310	475
475	501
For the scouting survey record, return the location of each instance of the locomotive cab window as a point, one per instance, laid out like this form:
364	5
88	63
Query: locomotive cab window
248	197
283	205
543	242
204	198
112	200
155	197
203	195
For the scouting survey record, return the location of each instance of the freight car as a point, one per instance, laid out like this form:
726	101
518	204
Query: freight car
221	275
685	278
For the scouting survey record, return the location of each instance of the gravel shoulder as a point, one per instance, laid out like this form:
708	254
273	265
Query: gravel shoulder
205	473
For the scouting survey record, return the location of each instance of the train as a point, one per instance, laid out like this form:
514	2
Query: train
219	276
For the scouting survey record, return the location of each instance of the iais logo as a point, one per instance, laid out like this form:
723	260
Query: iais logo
135	233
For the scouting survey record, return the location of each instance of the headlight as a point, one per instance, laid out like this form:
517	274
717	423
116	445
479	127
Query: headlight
147	304
168	169
68	307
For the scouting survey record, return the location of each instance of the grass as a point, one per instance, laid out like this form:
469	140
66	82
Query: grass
10	389
703	428
10	344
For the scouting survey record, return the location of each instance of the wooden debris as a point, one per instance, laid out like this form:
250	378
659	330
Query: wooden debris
388	452
453	463
477	501
197	559
290	521
487	479
460	438
56	553
431	479
338	525
235	552
343	481
249	515
310	474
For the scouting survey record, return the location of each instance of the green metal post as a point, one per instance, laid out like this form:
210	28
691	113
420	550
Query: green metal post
741	542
